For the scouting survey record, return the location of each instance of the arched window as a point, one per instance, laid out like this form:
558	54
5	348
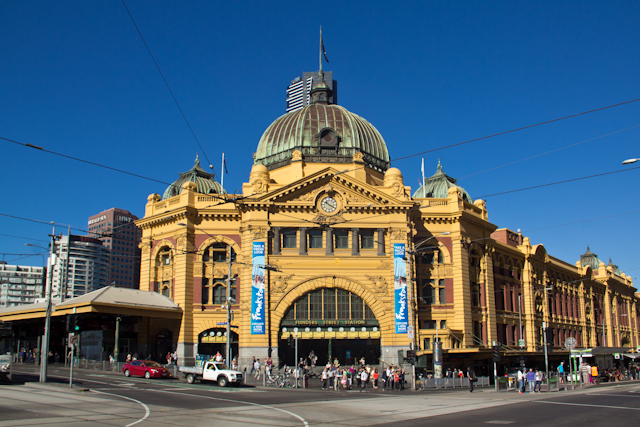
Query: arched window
329	305
219	292
165	289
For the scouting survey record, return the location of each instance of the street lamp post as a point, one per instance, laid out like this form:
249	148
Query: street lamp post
44	353
412	346
228	299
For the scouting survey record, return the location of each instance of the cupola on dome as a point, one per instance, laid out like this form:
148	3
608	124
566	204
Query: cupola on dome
204	182
437	186
322	133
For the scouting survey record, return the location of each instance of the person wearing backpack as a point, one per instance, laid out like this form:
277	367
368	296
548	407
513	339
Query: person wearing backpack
471	374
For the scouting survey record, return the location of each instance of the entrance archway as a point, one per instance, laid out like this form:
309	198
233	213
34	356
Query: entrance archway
334	323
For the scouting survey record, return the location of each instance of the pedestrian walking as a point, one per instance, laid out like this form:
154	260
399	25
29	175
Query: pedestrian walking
471	374
364	381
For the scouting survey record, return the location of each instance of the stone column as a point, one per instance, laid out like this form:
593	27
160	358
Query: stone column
303	241
381	251
329	241
276	240
355	242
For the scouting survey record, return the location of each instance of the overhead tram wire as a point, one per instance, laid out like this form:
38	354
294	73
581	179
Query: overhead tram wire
26	144
517	129
44	222
169	87
345	171
548	152
558	182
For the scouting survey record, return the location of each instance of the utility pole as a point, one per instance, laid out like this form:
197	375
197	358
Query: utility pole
228	302
44	354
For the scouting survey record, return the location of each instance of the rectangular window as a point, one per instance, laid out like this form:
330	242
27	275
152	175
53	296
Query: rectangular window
302	309
289	238
315	239
329	296
315	305
427	292
343	304
341	238
441	292
429	324
366	239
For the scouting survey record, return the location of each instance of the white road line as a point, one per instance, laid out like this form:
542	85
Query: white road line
586	404
146	408
306	424
616	395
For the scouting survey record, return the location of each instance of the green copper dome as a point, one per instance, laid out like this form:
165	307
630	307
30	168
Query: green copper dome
590	259
437	186
323	133
204	182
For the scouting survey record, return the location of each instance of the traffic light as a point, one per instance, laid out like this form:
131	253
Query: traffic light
411	356
550	337
496	353
77	324
70	322
290	341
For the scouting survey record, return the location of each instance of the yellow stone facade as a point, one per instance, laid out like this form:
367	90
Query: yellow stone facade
470	284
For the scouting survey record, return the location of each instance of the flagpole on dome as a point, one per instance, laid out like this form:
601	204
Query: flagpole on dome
423	188
223	170
321	48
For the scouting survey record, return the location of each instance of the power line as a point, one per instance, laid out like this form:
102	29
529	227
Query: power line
82	160
548	152
580	222
168	87
559	182
25	238
43	222
517	129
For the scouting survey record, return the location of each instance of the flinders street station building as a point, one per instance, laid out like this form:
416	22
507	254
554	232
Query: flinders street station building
328	244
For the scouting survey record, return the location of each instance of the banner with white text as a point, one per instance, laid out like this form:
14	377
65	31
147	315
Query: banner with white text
257	289
400	288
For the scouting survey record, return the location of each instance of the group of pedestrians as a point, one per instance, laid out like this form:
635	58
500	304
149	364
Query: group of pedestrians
335	377
532	377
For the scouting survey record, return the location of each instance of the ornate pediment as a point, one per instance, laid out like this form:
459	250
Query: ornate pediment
351	192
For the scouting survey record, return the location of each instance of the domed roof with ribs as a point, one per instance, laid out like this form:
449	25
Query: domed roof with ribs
323	133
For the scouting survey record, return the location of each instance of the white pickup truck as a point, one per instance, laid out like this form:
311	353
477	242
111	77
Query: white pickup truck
5	367
212	371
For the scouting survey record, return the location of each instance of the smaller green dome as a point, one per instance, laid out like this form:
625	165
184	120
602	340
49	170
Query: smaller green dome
590	259
438	185
614	267
203	180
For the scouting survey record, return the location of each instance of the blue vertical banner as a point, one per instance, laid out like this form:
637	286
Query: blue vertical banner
257	289
400	288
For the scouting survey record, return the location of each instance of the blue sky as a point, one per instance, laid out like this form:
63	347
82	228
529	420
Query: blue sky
77	79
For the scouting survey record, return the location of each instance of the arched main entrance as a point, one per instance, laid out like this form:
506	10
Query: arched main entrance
333	323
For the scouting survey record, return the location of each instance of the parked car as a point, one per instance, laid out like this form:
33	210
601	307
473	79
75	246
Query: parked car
145	368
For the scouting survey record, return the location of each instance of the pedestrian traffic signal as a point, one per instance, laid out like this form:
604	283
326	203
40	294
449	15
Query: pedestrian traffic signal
496	353
71	322
411	356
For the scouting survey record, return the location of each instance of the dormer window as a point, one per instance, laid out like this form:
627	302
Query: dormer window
327	137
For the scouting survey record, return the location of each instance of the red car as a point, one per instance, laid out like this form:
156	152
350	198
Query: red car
145	368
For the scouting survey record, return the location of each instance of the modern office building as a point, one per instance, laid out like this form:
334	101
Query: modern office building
80	265
117	230
299	91
20	284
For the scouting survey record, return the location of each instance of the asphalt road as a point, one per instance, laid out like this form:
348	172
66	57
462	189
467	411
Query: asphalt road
110	399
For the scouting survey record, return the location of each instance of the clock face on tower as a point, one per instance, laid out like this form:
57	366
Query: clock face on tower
329	204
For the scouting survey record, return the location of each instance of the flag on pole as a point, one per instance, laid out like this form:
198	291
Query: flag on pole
224	165
324	52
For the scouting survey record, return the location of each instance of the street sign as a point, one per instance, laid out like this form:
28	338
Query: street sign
570	343
410	332
222	323
73	339
521	343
